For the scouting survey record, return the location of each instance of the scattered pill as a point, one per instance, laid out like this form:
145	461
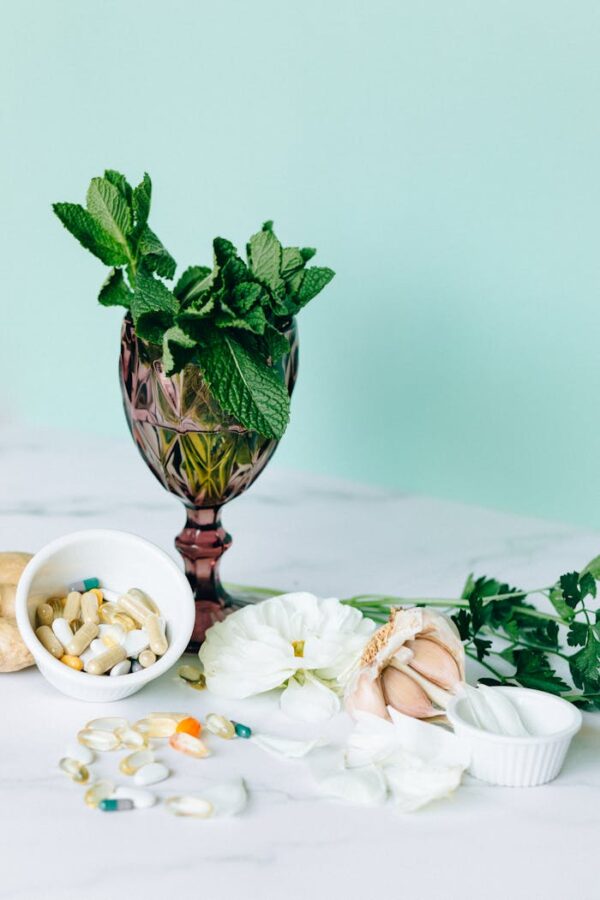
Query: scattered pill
130	764
195	807
72	606
100	790
151	774
220	726
198	685
86	585
48	639
74	769
82	638
45	614
130	738
156	727
103	663
242	731
147	658
89	608
189	725
190	745
73	662
102	741
110	804
141	799
122	668
107	723
189	673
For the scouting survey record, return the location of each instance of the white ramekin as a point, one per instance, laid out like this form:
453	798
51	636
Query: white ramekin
121	561
519	761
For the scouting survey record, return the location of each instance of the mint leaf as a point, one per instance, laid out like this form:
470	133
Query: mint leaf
114	291
153	307
192	276
142	196
90	235
264	256
121	183
246	388
176	349
313	282
154	255
291	261
223	250
270	346
254	320
109	208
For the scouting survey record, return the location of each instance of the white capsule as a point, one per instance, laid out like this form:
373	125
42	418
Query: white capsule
122	668
151	774
135	642
82	754
155	628
110	596
136	666
97	647
111	635
62	630
140	799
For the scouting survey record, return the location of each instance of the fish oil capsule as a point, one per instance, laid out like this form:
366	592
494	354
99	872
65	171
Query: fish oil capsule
72	606
100	790
102	741
195	807
189	725
87	584
124	621
107	723
175	716
122	668
57	604
155	727
45	614
48	639
147	658
155	630
220	726
188	744
134	607
242	731
73	662
107	613
61	629
98	594
111	804
151	774
130	764
89	608
82	638
101	664
74	769
189	673
130	738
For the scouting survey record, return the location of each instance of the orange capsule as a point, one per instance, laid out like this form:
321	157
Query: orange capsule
189	725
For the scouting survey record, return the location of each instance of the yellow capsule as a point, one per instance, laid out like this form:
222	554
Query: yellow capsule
89	608
175	716
72	661
156	727
48	639
102	741
45	614
57	604
146	658
190	745
189	673
82	638
107	723
99	595
107	612
125	621
198	685
155	630
98	791
130	764
74	769
130	738
220	726
72	606
105	661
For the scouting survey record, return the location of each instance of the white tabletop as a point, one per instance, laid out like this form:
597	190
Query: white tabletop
290	531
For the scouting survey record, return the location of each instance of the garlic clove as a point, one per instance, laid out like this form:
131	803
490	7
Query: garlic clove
405	695
434	662
368	697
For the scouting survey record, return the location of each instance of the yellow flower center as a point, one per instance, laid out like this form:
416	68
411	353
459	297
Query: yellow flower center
298	648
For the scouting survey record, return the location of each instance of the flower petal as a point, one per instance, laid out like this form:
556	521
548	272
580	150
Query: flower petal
311	701
414	785
286	747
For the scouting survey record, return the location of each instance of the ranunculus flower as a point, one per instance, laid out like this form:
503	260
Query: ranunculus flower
413	664
296	641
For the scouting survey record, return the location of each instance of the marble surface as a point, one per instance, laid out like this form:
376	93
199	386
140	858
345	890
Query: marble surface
290	531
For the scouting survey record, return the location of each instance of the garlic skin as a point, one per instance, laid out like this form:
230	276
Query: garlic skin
413	663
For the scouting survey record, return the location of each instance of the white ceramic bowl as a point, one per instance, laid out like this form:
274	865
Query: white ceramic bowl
121	561
519	761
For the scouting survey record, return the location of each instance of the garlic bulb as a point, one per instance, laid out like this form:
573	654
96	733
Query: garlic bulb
413	663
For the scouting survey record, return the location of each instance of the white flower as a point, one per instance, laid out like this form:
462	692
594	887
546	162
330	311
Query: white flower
295	641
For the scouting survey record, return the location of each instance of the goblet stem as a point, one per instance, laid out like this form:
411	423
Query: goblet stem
202	542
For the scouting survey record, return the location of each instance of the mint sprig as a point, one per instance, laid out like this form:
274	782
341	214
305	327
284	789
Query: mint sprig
231	320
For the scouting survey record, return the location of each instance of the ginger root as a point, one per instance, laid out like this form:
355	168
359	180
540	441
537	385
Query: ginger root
14	655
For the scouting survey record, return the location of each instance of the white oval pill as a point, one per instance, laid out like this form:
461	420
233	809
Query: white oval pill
141	799
97	647
121	668
62	630
151	774
110	596
136	666
135	642
82	754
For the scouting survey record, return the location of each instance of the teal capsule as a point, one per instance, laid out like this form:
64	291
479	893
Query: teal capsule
86	585
112	805
242	731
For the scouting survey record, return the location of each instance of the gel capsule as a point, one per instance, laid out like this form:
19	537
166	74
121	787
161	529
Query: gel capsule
82	754
102	741
74	769
57	604
72	606
107	613
147	658
156	727
45	614
155	630
189	673
86	585
189	725
101	664
73	662
195	807
48	639
100	790
110	635
107	723
220	726
130	764
130	738
89	608
190	745
111	804
124	621
82	639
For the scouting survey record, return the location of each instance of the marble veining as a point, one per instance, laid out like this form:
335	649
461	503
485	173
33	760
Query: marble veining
290	843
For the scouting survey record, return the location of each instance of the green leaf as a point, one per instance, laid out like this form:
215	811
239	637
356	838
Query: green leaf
560	605
585	664
577	634
114	291
245	387
575	587
154	255
462	620
593	567
142	197
108	206
192	276
534	671
270	346
176	349
153	307
482	648
291	261
264	256
82	226
313	282
254	320
223	250
121	183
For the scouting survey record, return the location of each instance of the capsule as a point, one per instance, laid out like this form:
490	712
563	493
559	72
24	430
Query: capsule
156	726
143	597
189	673
121	668
130	764
195	807
98	595
107	723
220	726
100	790
107	613
73	662
48	639
190	745
102	741
198	685
130	738
136	666
136	642
147	658
124	621
61	629
87	584
45	614
89	608
242	731
57	604
82	639
140	798
74	769
133	606
72	606
156	633
189	725
101	664
110	635
110	804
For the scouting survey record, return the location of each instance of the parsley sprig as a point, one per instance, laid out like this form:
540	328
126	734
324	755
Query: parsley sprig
515	641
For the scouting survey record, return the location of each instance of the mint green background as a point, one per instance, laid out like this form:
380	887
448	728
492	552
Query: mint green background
443	156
